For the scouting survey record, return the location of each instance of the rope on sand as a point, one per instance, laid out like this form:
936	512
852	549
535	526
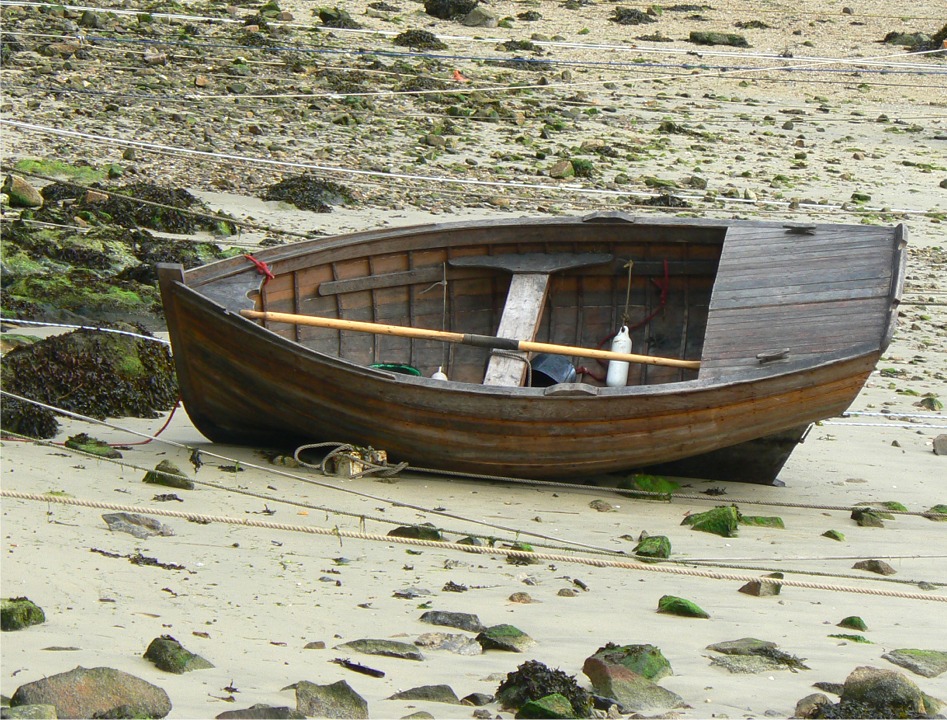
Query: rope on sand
482	550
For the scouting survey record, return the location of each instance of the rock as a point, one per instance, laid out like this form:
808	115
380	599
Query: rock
480	17
452	642
834	535
645	660
523	598
937	513
461	621
169	655
550	706
337	700
449	9
30	712
699	37
655	546
671	605
562	170
775	658
97	692
387	648
21	193
853	622
425	531
19	613
168	474
431	693
940	442
811	706
505	637
723	520
761	588
927	663
568	592
138	525
477	699
262	712
631	690
875	566
602	506
870	692
746	664
92	20
866	517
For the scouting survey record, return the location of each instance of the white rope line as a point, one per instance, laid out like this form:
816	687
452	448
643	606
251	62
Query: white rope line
891	425
506	185
17	321
310	481
610	48
548	484
476	549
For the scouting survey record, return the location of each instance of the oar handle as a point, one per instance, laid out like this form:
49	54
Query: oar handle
465	339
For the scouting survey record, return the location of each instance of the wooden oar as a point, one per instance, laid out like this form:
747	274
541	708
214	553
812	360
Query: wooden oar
488	341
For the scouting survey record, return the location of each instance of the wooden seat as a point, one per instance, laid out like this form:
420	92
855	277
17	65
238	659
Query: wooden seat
524	302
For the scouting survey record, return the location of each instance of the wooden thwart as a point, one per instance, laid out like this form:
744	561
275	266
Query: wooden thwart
465	339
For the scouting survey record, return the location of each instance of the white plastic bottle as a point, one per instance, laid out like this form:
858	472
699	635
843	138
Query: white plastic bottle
440	374
617	369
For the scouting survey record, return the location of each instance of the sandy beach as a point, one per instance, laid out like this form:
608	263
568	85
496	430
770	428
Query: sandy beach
250	599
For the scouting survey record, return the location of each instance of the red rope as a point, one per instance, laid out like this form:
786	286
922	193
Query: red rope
261	267
664	286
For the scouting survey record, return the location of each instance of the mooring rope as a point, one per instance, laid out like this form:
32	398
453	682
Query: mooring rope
476	549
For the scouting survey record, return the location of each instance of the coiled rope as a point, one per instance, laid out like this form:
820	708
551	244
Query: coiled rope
480	550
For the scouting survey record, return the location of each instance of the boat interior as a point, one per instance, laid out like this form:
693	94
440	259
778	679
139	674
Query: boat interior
567	284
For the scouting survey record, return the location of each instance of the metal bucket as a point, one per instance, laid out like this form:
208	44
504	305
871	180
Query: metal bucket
551	370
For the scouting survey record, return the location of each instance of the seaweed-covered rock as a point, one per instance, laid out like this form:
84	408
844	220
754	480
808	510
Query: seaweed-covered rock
554	706
97	692
634	692
169	655
852	622
100	374
92	446
424	531
419	39
168	474
388	648
927	663
505	637
461	621
671	605
449	9
752	647
723	520
338	18
657	547
702	37
308	192
261	712
533	681
762	521
630	16
645	660
866	517
870	692
19	613
337	700
430	693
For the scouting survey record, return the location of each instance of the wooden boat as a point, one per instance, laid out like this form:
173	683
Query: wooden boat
759	329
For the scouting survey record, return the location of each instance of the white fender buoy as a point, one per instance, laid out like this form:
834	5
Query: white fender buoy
617	369
440	374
